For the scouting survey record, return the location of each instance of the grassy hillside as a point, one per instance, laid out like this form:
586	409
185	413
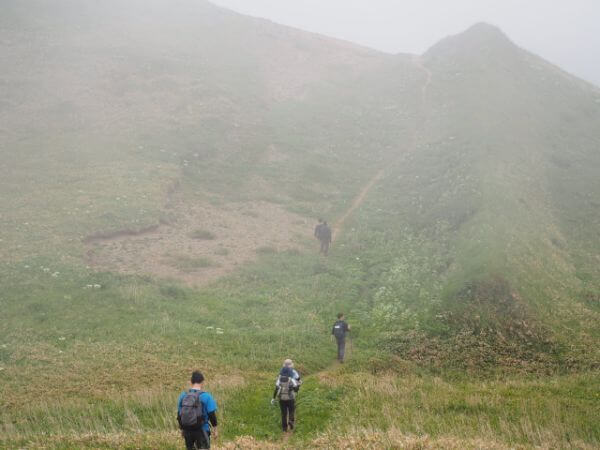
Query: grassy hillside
162	168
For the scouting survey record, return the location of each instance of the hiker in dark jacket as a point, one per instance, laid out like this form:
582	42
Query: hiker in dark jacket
339	330
325	238
286	388
318	229
196	413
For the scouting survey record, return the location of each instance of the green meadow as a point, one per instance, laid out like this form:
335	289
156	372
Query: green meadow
461	185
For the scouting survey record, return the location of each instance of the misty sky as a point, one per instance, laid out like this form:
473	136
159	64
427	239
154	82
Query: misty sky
566	32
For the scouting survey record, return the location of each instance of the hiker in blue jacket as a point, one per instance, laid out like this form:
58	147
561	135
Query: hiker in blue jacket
196	414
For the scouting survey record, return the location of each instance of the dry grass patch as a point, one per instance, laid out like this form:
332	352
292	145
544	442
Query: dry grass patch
394	438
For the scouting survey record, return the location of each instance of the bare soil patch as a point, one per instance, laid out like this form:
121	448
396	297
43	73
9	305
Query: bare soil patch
204	243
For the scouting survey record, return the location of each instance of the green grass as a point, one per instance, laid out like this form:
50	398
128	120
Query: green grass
133	329
517	411
469	275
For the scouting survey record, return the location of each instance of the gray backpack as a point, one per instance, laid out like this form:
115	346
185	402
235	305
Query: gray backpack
191	416
286	388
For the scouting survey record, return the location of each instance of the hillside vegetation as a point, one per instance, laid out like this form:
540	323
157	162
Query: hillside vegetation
162	168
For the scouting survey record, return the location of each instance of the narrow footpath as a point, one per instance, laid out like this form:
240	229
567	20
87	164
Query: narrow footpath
359	200
364	192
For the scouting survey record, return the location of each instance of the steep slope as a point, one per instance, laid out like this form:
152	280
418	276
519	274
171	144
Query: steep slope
142	141
121	103
521	127
128	117
487	192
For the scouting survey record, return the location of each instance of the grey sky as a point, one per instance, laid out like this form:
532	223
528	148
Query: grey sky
566	32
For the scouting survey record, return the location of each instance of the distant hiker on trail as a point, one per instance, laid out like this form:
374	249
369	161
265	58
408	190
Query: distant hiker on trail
318	229
324	235
196	412
286	388
339	330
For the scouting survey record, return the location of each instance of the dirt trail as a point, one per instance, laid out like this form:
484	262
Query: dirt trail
362	195
358	200
329	371
429	75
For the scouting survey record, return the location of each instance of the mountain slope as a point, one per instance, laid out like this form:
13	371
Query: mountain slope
485	196
188	90
162	164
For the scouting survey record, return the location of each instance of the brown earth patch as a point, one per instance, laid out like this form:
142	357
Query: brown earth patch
203	243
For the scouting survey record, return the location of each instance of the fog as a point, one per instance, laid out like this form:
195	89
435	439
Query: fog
186	188
563	32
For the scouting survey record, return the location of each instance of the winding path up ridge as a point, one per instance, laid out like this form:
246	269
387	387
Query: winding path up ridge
364	192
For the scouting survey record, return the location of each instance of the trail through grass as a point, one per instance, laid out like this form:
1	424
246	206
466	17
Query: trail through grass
364	192
466	256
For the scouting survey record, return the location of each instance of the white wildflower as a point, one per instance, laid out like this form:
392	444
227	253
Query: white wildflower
56	274
97	286
62	338
210	328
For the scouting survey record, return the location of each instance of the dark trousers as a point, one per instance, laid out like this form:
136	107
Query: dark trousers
288	408
325	247
341	347
195	439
